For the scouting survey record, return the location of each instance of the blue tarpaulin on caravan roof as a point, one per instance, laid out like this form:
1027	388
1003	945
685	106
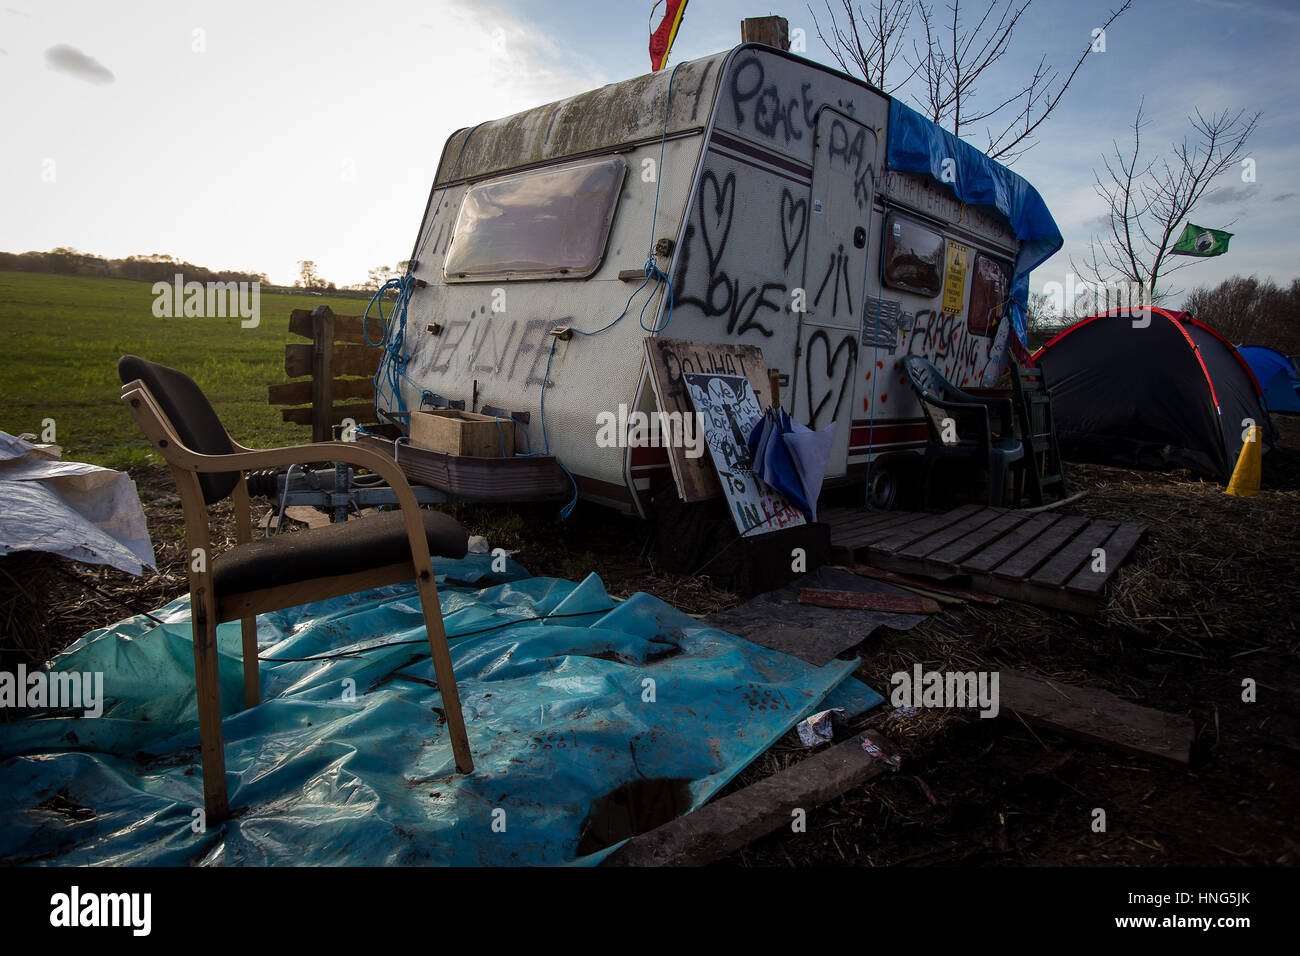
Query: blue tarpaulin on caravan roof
918	146
570	696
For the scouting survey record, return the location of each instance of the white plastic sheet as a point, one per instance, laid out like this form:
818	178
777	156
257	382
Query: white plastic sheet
70	508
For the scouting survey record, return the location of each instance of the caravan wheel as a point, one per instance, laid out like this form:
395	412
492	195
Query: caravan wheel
882	487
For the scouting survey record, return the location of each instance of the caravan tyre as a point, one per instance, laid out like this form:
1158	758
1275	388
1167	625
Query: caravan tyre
882	486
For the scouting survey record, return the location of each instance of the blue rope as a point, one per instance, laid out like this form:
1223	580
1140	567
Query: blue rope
875	336
651	270
392	364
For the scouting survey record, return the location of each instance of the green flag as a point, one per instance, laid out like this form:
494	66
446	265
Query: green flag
1199	241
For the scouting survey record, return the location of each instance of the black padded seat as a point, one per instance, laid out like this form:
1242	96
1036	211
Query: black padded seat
345	548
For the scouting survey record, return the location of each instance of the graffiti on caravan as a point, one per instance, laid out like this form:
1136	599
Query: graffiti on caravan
782	115
942	337
854	154
770	110
827	374
839	265
505	348
719	294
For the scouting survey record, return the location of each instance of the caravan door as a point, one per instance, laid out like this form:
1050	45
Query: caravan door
835	278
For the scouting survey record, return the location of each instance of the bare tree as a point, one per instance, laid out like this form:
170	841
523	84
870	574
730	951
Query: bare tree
1247	311
1148	201
949	59
884	31
1042	319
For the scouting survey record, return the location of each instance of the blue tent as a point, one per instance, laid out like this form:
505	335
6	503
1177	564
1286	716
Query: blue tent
1276	376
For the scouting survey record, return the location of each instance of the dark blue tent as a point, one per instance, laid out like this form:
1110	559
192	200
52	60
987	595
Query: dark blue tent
1276	376
1157	390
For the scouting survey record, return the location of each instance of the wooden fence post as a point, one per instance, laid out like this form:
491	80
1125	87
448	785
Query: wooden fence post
322	371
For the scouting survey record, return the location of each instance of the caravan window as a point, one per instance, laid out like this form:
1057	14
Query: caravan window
988	295
913	256
552	223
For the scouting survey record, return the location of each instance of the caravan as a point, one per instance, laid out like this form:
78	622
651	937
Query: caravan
747	198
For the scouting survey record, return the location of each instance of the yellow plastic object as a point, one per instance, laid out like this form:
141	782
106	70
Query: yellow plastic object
1245	477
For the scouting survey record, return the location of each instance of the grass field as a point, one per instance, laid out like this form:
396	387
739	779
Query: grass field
61	337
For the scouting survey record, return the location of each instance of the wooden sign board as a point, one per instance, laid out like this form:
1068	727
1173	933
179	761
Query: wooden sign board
731	411
668	360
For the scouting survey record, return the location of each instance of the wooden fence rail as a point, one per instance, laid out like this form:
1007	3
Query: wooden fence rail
341	366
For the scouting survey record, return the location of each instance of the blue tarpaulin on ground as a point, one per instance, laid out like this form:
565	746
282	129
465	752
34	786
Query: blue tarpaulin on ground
569	695
917	145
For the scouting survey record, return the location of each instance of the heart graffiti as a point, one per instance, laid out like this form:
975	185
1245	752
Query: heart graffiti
717	204
792	209
820	392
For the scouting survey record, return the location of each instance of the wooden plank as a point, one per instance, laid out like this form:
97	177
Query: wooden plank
307	515
857	520
951	555
727	824
347	360
1096	717
918	529
347	328
860	601
1118	547
923	547
1018	589
1063	565
299	393
667	360
903	581
858	537
362	413
1033	553
1008	544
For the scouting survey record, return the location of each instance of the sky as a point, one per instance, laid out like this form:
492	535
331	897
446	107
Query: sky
251	135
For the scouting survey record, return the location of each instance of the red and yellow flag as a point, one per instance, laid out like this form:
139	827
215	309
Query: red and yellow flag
661	41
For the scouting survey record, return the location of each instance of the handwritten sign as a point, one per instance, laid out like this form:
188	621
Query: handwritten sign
668	360
731	411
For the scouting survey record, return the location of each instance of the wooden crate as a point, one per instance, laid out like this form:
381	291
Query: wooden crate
468	434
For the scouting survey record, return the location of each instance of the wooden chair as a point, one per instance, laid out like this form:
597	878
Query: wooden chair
1041	469
972	434
273	573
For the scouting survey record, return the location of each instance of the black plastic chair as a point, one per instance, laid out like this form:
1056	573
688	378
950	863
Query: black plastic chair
961	427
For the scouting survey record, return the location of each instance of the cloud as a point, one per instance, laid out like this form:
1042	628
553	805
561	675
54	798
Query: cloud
1283	197
1229	194
70	60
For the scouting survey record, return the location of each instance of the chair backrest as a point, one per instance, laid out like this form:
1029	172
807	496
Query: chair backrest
1035	405
191	415
925	378
929	382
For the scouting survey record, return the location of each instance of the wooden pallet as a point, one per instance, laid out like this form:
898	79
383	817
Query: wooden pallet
1040	558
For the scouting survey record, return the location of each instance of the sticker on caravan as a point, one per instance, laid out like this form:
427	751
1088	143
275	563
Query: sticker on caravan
954	280
817	207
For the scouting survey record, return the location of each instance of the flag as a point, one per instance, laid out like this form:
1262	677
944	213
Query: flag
661	41
1199	241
